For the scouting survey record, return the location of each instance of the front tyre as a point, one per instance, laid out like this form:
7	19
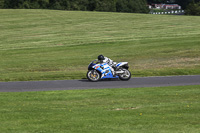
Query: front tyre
93	75
126	75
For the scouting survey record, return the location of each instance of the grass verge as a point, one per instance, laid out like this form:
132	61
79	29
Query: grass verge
130	110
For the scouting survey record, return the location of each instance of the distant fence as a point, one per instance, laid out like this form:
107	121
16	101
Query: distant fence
169	12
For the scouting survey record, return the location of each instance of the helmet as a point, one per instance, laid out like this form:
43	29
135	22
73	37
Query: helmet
101	57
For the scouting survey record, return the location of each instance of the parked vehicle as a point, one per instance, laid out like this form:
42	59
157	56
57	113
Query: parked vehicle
97	71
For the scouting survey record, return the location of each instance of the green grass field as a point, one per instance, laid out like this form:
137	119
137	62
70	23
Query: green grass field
126	110
50	45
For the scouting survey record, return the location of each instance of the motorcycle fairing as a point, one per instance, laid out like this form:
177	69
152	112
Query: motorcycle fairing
121	64
105	72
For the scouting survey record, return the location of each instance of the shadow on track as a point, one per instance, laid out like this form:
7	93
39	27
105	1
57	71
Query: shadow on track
102	80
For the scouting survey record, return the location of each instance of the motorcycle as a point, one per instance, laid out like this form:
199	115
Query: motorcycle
97	71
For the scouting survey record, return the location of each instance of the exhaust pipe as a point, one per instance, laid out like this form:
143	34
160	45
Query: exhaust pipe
119	72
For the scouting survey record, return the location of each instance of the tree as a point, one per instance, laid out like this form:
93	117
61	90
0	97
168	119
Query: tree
193	9
66	4
183	3
139	6
103	5
42	3
142	6
1	4
157	1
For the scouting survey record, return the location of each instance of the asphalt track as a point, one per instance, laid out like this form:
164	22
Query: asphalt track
85	84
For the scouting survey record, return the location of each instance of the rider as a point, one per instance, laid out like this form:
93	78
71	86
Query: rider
103	59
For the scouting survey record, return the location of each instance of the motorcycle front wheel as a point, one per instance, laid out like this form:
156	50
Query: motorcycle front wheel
93	75
126	75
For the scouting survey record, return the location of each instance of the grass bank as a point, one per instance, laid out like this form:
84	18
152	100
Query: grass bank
50	45
130	110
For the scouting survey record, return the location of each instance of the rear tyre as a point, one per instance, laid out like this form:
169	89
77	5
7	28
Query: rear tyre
93	75
126	75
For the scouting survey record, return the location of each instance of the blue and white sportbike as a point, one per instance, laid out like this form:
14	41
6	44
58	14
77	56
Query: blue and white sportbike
97	71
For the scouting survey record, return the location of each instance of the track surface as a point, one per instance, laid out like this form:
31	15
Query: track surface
85	84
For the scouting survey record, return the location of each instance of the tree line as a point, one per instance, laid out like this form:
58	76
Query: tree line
192	7
136	6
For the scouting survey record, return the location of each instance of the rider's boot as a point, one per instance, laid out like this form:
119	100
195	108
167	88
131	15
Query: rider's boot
113	72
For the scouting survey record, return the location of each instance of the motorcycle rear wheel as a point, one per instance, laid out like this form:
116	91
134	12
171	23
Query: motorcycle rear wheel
93	75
